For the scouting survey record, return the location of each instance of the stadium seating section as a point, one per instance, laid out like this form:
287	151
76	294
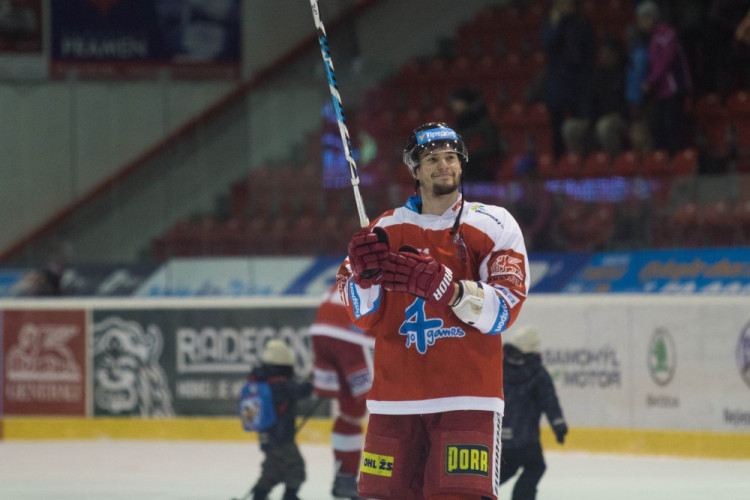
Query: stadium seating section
598	201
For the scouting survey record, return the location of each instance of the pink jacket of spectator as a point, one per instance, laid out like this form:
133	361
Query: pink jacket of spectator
669	73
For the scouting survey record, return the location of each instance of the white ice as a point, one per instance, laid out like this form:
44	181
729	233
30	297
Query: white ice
186	470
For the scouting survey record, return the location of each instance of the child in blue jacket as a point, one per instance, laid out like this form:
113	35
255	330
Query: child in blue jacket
283	462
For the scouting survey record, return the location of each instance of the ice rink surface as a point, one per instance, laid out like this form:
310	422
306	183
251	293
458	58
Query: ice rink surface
185	470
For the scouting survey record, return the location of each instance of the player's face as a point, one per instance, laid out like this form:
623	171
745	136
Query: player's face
439	172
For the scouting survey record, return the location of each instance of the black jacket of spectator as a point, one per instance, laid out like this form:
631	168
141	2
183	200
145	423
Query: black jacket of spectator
480	134
286	393
529	392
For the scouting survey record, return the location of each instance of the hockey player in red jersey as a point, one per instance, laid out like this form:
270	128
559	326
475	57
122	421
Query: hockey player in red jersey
342	370
435	282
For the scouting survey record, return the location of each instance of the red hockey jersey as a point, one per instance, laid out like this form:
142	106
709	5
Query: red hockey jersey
426	359
332	320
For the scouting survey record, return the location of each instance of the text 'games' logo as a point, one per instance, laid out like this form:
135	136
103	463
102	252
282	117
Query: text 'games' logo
743	354
662	356
423	332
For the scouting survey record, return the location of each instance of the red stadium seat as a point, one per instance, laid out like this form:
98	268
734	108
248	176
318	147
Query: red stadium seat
469	42
539	128
546	166
233	237
597	164
719	224
459	72
304	236
262	196
506	171
570	225
512	122
686	226
742	218
685	163
713	124
584	226
738	109
656	164
570	165
626	164
490	18
600	225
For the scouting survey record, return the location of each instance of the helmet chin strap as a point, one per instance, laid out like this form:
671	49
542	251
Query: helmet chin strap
461	209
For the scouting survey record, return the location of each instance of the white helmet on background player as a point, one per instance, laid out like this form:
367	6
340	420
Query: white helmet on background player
433	136
276	352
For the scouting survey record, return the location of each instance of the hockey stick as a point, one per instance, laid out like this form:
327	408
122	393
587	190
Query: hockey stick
344	132
307	415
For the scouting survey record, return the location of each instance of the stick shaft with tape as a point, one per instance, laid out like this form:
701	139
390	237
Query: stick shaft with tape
343	131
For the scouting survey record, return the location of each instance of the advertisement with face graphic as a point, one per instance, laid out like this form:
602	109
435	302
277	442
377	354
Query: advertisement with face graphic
185	361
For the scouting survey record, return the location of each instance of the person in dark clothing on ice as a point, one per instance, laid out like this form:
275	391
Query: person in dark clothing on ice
283	462
529	392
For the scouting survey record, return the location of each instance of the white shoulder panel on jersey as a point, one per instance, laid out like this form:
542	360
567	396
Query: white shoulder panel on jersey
492	220
403	215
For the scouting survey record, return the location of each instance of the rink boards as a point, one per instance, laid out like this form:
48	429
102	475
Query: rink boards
634	373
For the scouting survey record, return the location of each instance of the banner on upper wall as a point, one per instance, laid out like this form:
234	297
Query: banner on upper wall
551	271
166	362
145	38
21	27
709	271
237	277
312	276
9	278
23	53
44	362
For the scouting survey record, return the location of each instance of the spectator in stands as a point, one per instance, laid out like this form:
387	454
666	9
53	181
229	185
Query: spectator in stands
47	280
534	211
568	40
727	55
473	122
742	31
608	111
610	108
635	74
668	83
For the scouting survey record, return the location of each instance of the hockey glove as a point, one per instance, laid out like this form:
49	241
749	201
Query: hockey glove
469	302
560	429
418	274
368	249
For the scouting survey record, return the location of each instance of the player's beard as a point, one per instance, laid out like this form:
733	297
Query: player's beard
443	189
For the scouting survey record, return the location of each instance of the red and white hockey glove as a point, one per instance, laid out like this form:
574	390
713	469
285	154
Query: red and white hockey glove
418	274
367	252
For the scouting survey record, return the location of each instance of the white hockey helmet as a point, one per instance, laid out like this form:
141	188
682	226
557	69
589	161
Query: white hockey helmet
525	339
277	352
